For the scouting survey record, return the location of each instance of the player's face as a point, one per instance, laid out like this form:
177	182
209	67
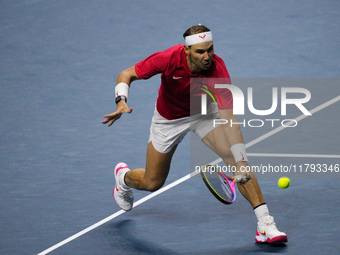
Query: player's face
200	56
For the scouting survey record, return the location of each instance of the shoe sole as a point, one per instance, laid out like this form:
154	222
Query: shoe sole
276	239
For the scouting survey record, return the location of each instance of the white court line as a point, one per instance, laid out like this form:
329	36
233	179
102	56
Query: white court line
274	131
285	155
183	179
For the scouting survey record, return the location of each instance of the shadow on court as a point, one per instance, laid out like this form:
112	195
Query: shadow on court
126	240
248	249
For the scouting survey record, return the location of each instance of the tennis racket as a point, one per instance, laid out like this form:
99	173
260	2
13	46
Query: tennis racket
221	185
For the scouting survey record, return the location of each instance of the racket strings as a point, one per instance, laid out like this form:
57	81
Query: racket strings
220	186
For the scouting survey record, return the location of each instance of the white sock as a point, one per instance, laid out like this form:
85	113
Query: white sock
121	177
261	211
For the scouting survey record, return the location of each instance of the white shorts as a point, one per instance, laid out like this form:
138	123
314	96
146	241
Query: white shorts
165	134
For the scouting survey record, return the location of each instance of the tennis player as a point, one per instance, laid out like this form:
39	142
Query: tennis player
173	119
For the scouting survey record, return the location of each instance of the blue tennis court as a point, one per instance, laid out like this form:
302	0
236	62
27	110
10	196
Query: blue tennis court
58	68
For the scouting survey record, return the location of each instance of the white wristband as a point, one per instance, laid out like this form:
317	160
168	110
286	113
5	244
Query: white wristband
122	89
239	152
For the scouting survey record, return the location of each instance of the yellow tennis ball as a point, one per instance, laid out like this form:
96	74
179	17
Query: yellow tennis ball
283	182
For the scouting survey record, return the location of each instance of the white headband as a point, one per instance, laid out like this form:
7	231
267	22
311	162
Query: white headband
198	38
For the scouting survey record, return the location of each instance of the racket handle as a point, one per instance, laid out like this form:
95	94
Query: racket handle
241	178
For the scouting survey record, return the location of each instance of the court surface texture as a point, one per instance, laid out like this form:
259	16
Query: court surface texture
59	64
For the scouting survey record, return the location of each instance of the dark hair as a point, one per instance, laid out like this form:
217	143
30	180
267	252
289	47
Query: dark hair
195	30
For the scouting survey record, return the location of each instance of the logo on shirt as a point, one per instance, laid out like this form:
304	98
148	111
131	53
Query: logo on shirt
176	77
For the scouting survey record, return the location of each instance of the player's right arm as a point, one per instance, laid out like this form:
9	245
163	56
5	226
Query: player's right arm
127	76
152	65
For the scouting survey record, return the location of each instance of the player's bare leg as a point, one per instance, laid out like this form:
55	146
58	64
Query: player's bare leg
217	141
151	178
266	228
155	173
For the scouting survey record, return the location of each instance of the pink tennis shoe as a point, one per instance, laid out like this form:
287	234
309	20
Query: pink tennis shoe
268	233
123	197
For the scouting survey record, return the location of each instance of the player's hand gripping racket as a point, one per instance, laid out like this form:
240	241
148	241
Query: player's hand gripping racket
221	185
